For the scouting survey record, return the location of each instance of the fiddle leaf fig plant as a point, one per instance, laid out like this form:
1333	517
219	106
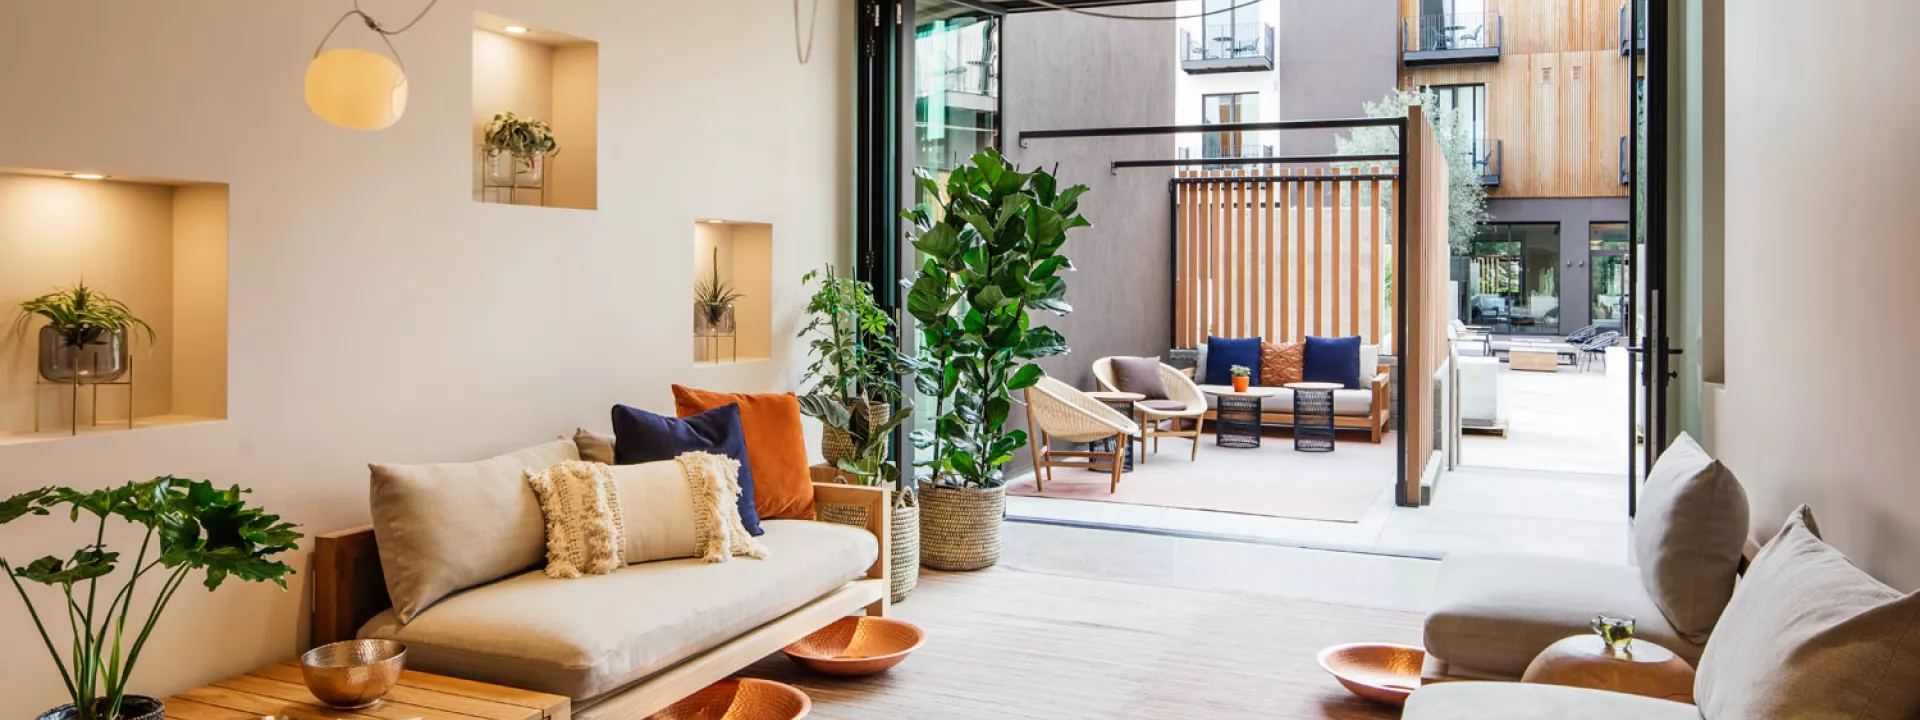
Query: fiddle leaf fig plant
191	526
992	250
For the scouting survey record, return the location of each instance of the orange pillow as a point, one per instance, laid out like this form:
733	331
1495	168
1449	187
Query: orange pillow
1282	364
776	447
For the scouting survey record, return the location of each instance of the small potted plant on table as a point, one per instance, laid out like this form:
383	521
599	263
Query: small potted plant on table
1242	377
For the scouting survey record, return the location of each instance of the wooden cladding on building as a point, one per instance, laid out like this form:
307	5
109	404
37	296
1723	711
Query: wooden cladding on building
1282	255
1549	26
1558	116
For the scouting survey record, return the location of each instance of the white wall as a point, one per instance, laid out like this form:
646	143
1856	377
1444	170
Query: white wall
378	313
1820	389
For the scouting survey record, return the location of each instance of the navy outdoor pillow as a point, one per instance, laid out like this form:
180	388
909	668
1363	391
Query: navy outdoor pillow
640	436
1224	353
1333	360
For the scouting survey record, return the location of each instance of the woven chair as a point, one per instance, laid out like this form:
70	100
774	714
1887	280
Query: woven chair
1163	418
1057	411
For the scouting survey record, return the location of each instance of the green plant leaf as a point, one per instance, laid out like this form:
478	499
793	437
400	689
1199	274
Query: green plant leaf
31	502
1025	377
86	564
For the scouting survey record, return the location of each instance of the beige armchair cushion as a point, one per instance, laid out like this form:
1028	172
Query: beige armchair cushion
1688	536
1808	636
1517	701
446	527
589	637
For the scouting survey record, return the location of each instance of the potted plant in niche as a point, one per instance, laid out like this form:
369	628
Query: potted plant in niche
189	526
85	338
992	253
855	378
1242	377
713	304
516	150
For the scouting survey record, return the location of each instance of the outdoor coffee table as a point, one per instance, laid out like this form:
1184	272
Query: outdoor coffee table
1313	415
1122	402
1236	417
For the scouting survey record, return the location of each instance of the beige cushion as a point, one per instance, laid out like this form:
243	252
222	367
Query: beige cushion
1808	636
1493	613
1516	701
584	638
656	510
446	527
583	521
594	447
1346	403
1688	536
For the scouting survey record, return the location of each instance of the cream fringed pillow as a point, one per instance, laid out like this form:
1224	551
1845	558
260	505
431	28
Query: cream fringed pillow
719	533
583	519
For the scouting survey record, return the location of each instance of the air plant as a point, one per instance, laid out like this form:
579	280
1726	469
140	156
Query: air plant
714	296
81	315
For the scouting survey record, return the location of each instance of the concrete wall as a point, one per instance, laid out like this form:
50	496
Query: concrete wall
1575	218
1335	56
378	313
1820	391
1068	71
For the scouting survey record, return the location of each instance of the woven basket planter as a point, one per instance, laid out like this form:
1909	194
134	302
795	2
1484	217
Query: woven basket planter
960	527
836	443
903	561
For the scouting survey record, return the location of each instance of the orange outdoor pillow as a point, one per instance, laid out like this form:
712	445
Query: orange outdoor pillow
776	447
1282	364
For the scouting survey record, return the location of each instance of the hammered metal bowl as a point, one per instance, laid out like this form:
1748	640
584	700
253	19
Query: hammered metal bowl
355	673
857	646
741	699
1379	672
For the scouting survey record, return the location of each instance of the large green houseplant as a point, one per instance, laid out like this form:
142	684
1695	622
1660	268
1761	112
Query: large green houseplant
191	526
992	252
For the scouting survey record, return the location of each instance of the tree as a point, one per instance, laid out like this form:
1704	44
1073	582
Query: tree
1466	197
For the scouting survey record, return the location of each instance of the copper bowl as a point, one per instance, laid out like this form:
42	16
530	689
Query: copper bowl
355	673
740	699
1379	672
857	646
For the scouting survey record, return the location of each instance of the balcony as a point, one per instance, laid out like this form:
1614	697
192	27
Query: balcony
1227	48
1233	153
1488	156
1628	46
1450	38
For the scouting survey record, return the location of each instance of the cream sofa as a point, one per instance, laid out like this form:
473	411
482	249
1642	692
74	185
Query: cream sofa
628	644
1367	408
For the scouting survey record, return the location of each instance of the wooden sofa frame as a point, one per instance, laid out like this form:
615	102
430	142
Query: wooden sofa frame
1375	422
349	589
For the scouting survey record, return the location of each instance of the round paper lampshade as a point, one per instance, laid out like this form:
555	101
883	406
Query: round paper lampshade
356	89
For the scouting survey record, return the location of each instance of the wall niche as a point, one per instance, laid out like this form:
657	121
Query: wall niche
740	256
160	247
544	75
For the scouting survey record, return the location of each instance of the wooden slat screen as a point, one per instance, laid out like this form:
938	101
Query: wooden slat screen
1423	277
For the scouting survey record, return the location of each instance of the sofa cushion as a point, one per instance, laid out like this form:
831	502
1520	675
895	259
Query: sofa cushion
1346	403
641	436
1139	375
1493	613
1333	360
1224	353
585	638
1519	701
1808	636
1688	536
594	447
776	448
446	527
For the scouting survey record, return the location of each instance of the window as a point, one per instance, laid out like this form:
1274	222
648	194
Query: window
1470	101
1233	108
1609	255
1513	279
1230	30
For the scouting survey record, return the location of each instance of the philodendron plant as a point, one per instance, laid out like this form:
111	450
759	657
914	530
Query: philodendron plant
992	253
522	138
191	526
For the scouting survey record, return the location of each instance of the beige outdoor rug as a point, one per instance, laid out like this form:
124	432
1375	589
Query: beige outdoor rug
1272	480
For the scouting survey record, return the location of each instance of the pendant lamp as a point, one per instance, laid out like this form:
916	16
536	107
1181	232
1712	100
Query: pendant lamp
357	89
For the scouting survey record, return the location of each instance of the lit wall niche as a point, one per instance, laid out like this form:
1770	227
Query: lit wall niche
536	74
740	256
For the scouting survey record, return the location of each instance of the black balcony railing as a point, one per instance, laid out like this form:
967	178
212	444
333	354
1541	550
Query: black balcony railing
981	77
1626	165
1488	156
1227	48
1627	44
1441	38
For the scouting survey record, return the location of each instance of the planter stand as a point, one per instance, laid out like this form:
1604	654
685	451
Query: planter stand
73	414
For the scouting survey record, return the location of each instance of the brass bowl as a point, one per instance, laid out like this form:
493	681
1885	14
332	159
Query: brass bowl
1379	672
740	699
857	646
355	673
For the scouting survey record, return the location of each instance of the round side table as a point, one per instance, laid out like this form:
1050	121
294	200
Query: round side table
1642	669
1237	416
1313	415
1122	402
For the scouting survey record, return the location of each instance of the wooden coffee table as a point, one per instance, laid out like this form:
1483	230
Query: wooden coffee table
1585	661
277	690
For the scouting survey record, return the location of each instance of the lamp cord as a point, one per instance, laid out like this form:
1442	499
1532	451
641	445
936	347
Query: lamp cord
1112	16
379	29
804	55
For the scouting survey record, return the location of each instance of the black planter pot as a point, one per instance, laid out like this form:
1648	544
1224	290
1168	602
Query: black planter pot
134	707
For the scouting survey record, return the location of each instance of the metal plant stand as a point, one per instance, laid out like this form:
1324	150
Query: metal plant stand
1236	418
73	414
1121	402
1313	416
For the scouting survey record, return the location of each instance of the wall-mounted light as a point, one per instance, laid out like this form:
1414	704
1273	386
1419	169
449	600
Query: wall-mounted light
86	176
716	222
515	29
357	89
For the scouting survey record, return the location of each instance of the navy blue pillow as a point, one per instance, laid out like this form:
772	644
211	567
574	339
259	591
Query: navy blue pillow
1224	353
641	437
1333	360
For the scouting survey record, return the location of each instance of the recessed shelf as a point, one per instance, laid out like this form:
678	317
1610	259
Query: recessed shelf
160	247
544	75
740	254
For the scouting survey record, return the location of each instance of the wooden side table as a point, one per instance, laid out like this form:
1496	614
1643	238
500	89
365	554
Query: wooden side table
1237	416
278	690
1121	402
1313	415
1586	661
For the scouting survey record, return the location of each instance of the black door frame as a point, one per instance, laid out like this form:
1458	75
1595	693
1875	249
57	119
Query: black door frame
1650	362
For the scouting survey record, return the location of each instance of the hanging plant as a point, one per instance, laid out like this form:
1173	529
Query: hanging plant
520	138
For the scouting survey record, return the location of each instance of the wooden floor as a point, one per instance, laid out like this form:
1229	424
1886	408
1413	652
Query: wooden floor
1007	643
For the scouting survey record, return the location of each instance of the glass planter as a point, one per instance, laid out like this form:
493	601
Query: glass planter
712	320
103	360
505	169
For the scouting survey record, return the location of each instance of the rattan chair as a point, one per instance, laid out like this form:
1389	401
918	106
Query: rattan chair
1163	418
1057	411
